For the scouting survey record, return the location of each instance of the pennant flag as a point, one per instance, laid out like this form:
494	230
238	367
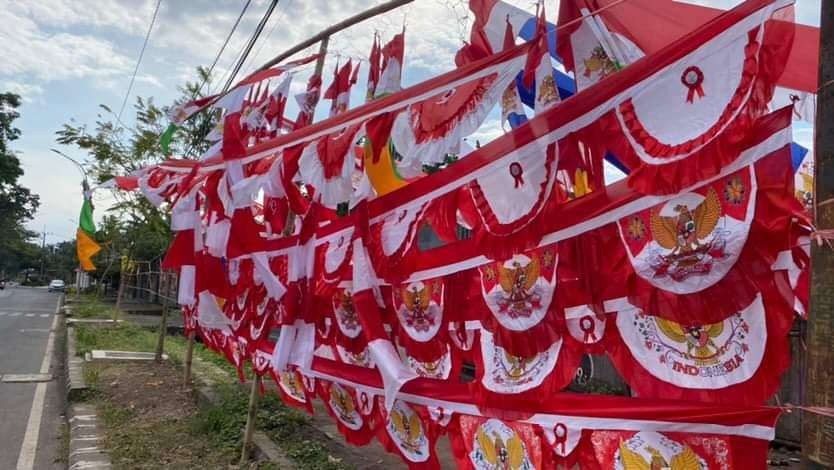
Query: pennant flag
392	66
538	66
165	139
307	102
374	69
86	246
339	91
512	111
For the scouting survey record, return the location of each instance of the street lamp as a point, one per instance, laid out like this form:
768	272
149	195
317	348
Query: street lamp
85	187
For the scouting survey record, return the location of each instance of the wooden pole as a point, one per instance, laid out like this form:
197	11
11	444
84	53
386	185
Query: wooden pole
250	420
326	33
163	321
119	294
818	430
189	354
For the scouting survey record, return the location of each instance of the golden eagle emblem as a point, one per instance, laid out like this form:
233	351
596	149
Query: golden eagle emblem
501	455
518	282
698	339
686	459
342	403
683	234
599	64
417	310
409	429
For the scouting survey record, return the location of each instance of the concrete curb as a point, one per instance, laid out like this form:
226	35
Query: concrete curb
76	385
84	440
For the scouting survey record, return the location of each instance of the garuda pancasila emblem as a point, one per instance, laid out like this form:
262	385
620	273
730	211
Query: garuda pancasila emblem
501	455
698	339
599	64
418	311
687	235
518	284
686	459
409	429
345	312
342	404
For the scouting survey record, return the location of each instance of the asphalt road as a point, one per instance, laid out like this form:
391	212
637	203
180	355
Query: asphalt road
30	413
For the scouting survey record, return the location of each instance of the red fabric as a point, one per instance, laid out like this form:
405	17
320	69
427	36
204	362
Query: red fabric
769	234
654	24
127	183
378	131
754	391
333	149
233	146
538	52
435	117
342	406
181	251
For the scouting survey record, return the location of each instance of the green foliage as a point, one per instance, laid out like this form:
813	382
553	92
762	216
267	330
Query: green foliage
137	229
17	203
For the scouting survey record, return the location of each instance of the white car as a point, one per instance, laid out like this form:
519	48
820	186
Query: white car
56	285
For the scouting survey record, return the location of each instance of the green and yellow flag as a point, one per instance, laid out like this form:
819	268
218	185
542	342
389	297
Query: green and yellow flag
86	246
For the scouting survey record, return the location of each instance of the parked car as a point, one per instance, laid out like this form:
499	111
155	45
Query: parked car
56	285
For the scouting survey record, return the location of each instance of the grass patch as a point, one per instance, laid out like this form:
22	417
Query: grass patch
90	307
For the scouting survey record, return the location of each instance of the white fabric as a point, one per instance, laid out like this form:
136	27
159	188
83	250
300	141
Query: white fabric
514	314
495	429
305	343
185	291
274	287
336	251
710	357
394	373
209	314
510	199
331	191
217	237
439	368
344	407
663	99
648	444
584	325
729	233
420	324
399	229
508	374
566	440
361	359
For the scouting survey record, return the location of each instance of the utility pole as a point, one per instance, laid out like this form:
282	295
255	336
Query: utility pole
817	429
43	252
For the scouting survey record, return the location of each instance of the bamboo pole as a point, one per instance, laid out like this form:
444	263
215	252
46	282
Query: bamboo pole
250	420
326	33
818	429
163	321
189	354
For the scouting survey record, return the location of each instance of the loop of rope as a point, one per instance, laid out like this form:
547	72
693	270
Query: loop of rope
817	410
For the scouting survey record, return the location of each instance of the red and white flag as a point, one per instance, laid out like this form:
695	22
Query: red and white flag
392	66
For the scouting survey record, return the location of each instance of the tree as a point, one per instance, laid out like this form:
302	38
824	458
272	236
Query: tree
138	229
17	203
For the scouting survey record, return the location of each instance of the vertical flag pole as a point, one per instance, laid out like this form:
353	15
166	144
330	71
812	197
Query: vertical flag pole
163	321
250	420
818	430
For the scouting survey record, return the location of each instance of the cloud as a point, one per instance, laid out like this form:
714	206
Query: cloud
29	92
32	52
128	16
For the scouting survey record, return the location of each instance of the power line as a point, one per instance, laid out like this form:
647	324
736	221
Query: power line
139	61
223	47
269	34
251	43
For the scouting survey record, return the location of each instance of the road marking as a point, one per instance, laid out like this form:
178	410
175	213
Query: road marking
3	314
44	315
30	315
26	378
26	457
15	314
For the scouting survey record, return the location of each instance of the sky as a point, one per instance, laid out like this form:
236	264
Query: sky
65	57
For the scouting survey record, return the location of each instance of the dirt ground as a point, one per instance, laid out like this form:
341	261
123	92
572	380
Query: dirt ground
149	419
